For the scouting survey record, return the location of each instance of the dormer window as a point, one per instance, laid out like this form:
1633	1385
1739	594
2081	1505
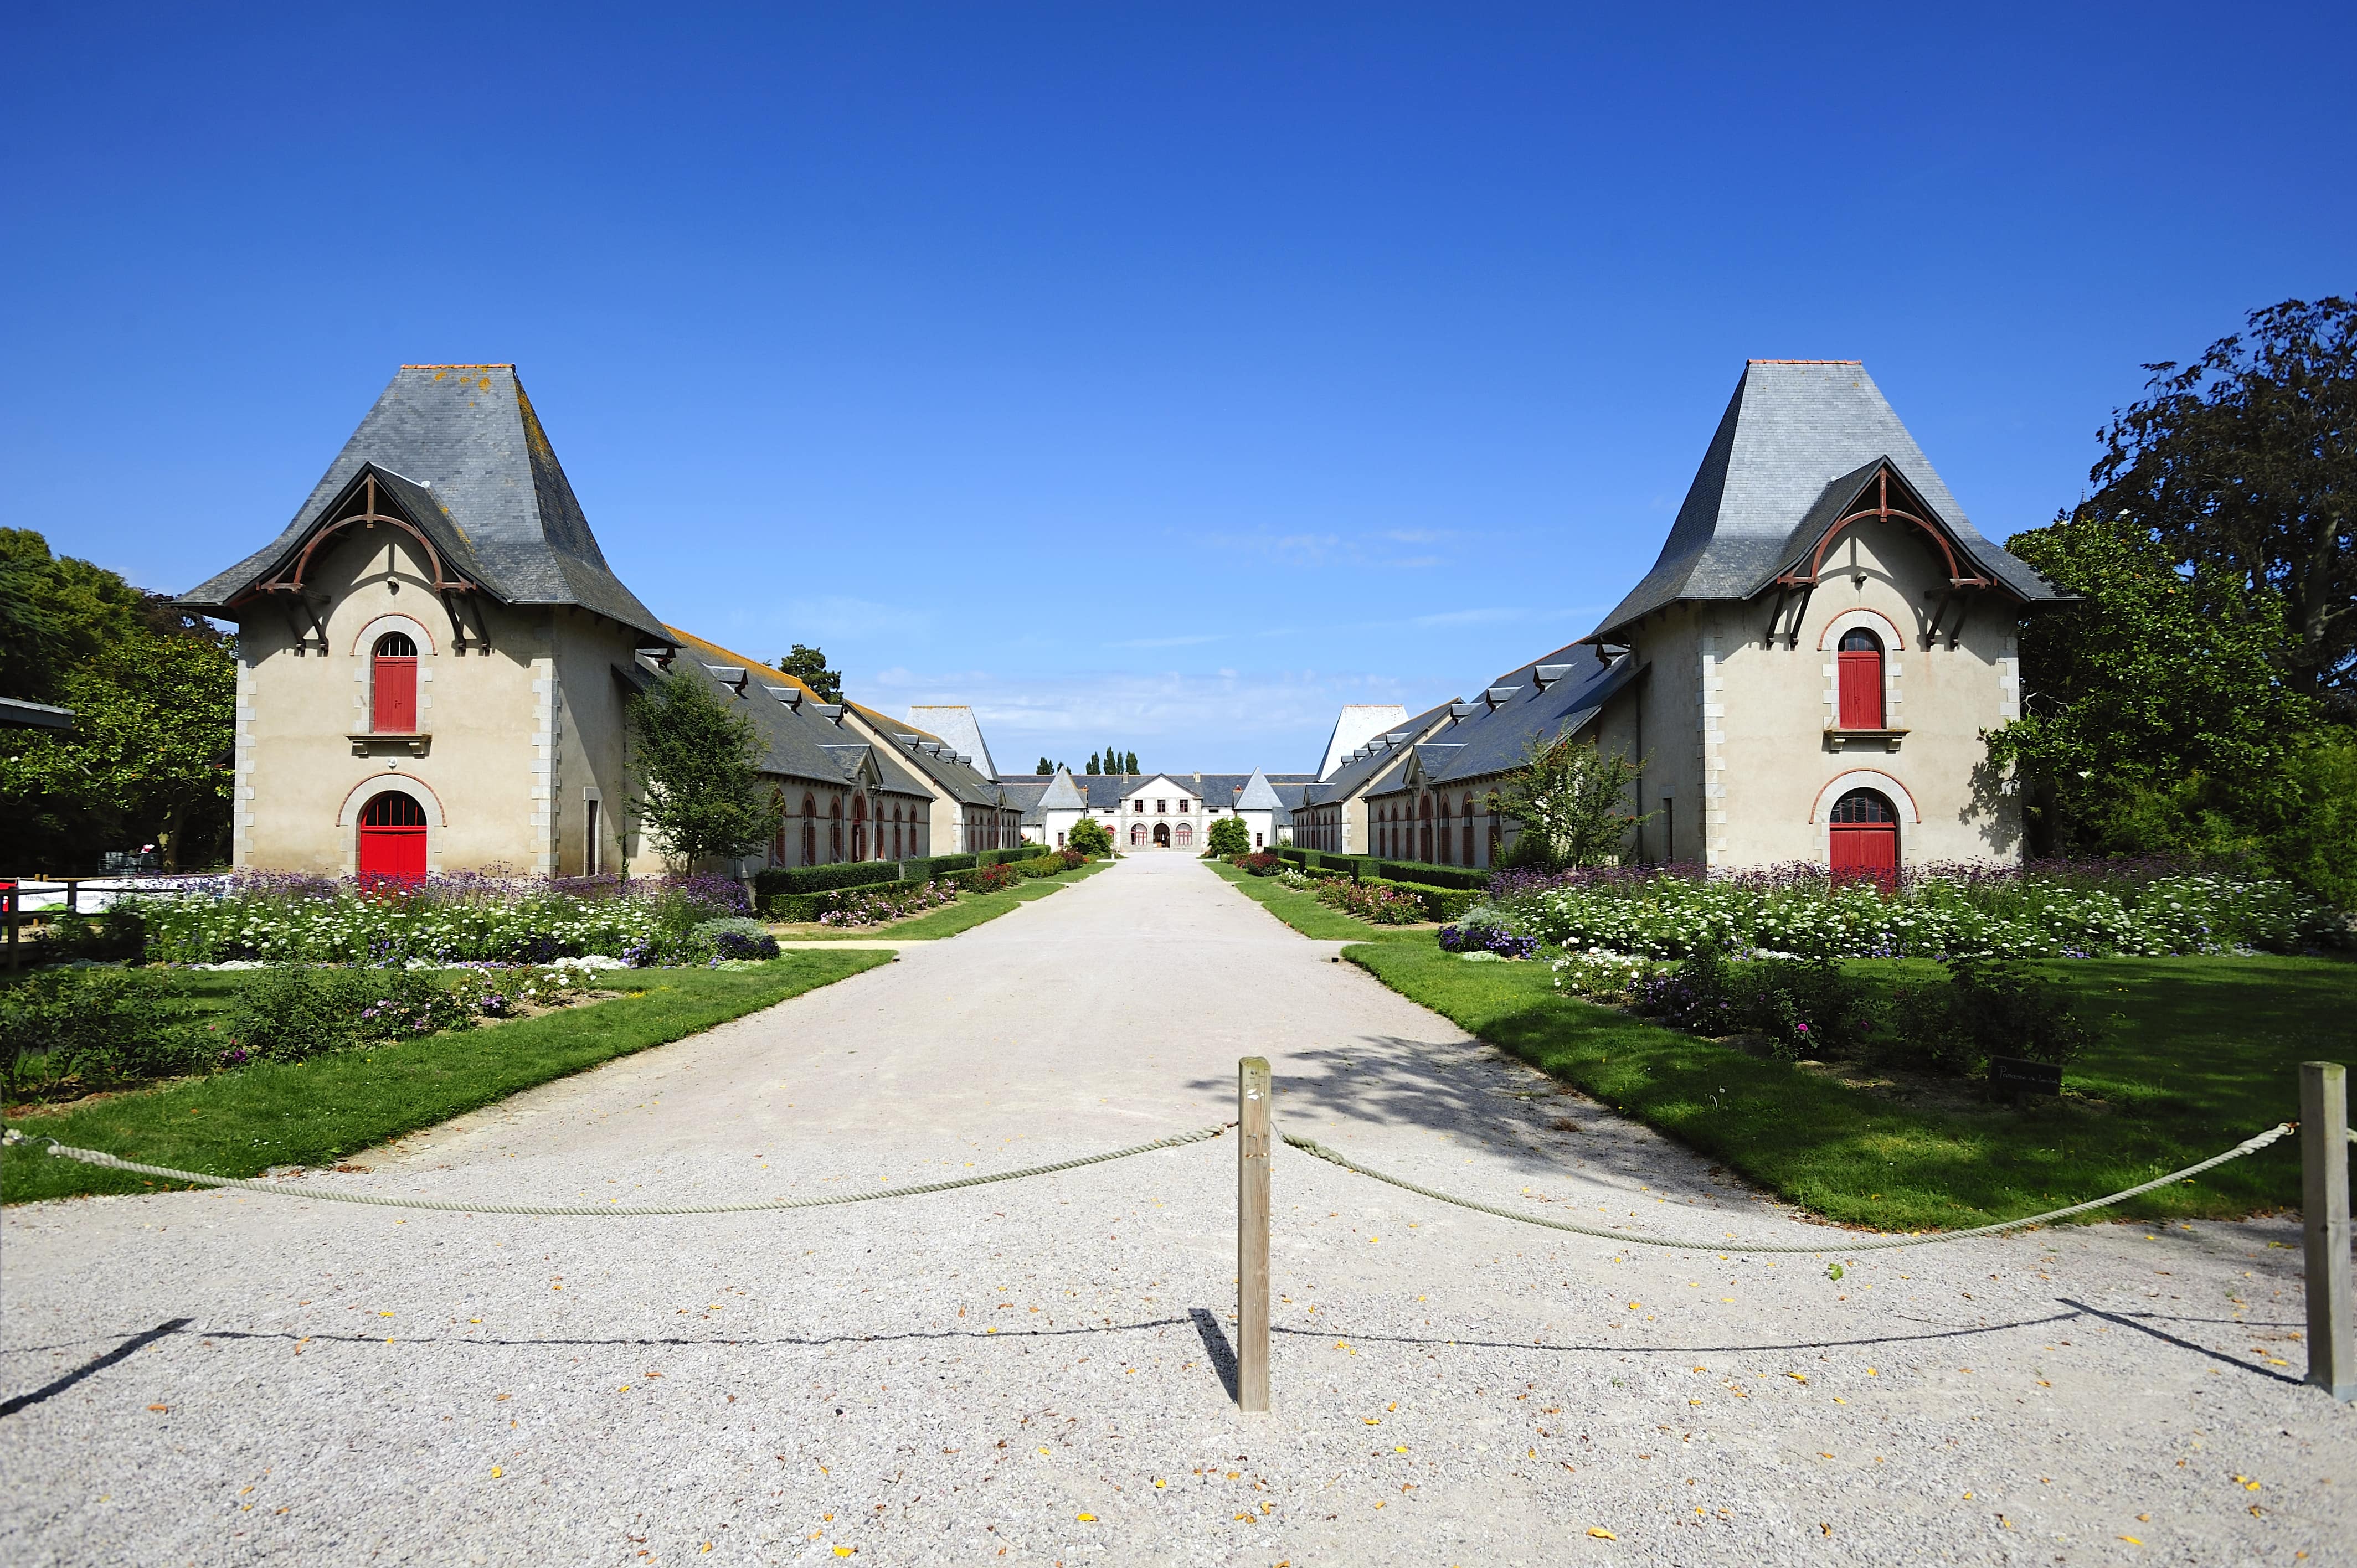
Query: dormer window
392	685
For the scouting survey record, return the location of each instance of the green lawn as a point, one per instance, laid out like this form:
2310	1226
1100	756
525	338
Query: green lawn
1305	913
2202	1055
970	910
313	1114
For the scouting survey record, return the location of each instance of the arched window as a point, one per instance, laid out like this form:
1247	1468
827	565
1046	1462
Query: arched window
1441	835
834	828
809	831
859	827
1424	829
1185	836
777	839
1468	828
392	839
1138	835
1860	666
1862	838
392	685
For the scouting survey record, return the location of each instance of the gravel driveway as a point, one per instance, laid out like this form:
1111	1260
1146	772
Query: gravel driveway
1032	1373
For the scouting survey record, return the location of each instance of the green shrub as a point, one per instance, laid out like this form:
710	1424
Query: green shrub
1437	903
935	865
1006	856
291	1012
1230	836
1048	865
93	1026
1988	1006
1376	903
1089	837
821	878
735	937
1433	875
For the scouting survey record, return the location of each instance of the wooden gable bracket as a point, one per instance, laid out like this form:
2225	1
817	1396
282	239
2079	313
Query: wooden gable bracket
1795	599
299	608
460	639
1882	511
1945	600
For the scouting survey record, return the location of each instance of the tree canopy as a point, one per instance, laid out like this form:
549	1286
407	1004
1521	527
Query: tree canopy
1230	836
1572	801
808	665
154	694
699	788
1088	836
2243	466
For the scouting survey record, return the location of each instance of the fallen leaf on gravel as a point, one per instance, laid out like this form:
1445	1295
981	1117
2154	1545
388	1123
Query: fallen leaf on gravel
1159	1482
2131	1539
497	1472
1797	1377
1086	1518
1601	1533
1372	1421
1633	1307
161	1409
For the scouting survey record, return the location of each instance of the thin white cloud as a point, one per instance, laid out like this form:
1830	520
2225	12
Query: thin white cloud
841	616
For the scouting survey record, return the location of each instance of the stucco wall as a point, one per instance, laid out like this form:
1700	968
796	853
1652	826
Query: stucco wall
515	733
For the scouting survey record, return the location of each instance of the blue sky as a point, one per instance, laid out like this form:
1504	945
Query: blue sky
1162	375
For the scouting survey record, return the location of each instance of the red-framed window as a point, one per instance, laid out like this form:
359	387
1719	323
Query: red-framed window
392	685
392	839
1862	838
1859	667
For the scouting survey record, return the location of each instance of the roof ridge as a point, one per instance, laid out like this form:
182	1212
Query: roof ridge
1804	362
492	365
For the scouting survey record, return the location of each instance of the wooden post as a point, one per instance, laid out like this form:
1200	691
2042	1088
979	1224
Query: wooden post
2324	1220
1253	1091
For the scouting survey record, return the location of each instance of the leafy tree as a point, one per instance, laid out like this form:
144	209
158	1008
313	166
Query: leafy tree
2155	717
1044	766
1093	764
56	612
149	756
1230	836
1572	801
1088	836
2244	463
699	786
809	666
1129	763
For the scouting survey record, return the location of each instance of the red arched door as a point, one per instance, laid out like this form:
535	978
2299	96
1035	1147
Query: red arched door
1864	838
392	838
1860	667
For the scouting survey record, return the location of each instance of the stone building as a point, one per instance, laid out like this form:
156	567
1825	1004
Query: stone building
435	663
1162	811
427	652
1806	675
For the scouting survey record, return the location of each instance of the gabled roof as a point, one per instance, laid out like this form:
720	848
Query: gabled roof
797	743
1257	795
1482	740
1375	758
1062	794
958	726
462	456
1793	432
1356	724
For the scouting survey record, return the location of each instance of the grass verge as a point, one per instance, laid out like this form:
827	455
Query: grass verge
2202	1054
970	910
1307	915
313	1114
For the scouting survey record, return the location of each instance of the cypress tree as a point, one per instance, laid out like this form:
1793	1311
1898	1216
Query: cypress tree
1132	762
1092	762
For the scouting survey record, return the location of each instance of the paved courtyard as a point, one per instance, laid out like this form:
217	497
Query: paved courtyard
1033	1372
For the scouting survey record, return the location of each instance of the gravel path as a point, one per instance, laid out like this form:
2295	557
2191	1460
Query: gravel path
1031	1373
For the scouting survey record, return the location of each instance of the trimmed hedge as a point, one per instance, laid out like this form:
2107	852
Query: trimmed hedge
1439	903
1048	865
784	879
804	907
1006	856
935	865
1432	875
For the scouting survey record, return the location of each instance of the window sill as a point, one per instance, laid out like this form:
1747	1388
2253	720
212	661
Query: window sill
1838	738
374	741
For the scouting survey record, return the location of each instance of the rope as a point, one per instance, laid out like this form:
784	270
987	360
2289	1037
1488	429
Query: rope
95	1157
2248	1147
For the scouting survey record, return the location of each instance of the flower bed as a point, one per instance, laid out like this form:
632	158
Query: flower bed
1376	906
872	908
286	919
1477	936
2053	911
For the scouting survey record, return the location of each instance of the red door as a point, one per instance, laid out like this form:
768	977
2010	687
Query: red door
1860	667
1863	839
393	840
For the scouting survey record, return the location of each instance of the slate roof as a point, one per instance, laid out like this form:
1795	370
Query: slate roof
463	456
958	726
1373	761
1793	434
1059	793
938	761
1357	723
797	743
1482	741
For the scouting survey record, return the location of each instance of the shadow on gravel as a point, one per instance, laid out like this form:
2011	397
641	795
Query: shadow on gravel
128	1347
471	1342
1216	1345
2131	1320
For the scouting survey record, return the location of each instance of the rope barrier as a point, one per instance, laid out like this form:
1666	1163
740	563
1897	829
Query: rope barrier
2248	1147
97	1158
